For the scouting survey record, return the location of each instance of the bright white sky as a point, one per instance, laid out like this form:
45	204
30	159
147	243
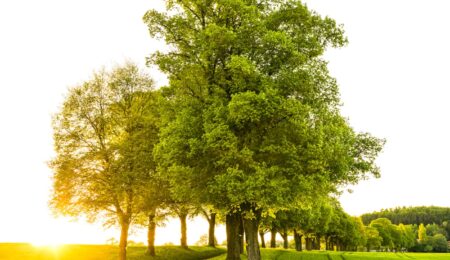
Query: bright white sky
392	75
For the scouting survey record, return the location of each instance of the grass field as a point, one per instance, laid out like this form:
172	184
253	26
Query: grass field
9	251
279	254
104	252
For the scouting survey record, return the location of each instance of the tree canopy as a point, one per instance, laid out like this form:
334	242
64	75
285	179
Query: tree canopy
104	136
411	215
256	123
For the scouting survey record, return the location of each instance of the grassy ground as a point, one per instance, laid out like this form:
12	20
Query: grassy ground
104	252
101	252
279	254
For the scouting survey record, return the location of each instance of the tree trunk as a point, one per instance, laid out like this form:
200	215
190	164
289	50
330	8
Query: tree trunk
233	221
317	242
251	235
151	234
183	240
273	237
241	234
308	243
298	241
211	231
123	240
263	242
284	235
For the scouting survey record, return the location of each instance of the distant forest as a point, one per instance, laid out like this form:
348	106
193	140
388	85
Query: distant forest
411	215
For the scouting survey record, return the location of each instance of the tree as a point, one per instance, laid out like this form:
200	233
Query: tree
388	232
408	237
183	211
422	233
153	211
439	243
373	238
210	216
103	161
257	124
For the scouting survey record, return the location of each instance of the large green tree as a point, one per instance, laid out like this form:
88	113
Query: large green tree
104	135
256	123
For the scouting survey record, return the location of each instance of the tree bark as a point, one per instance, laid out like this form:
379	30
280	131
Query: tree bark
183	240
151	234
263	242
284	235
273	237
298	240
241	234
124	226
251	235
211	231
317	242
308	243
233	221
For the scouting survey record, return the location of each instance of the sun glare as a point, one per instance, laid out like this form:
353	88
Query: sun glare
47	242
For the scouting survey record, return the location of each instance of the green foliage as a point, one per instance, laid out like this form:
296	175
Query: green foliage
439	243
253	125
254	118
388	232
434	229
407	236
411	215
422	233
104	136
373	238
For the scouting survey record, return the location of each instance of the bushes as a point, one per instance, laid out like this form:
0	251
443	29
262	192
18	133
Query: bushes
439	243
436	243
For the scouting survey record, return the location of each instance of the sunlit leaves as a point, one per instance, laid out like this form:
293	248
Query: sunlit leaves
104	136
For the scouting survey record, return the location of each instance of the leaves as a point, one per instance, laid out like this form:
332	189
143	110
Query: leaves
256	112
104	137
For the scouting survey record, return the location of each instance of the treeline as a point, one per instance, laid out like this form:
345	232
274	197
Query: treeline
328	227
248	129
429	226
325	226
415	238
411	215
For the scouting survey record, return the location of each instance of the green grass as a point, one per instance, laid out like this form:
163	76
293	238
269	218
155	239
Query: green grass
104	252
14	251
280	254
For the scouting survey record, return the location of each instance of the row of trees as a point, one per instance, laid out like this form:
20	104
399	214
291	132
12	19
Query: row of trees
329	227
324	226
414	215
407	237
248	127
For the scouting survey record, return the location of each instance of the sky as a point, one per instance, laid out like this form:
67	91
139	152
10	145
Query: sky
393	79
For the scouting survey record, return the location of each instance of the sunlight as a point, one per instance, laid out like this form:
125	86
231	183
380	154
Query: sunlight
54	232
47	241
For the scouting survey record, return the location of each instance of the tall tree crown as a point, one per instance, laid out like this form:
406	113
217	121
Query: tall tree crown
257	114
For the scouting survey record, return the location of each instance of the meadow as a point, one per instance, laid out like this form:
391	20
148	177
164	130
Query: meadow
14	251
